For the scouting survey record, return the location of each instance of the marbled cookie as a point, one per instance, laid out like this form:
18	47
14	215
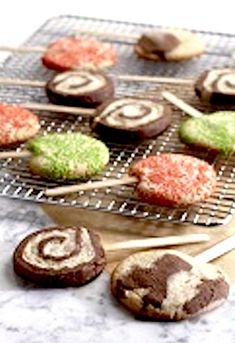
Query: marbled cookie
60	257
168	285
217	86
173	180
80	88
169	45
67	156
215	132
131	119
16	124
76	52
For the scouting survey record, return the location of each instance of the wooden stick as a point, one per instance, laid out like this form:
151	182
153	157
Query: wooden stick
23	49
181	104
217	250
58	108
14	154
131	78
158	242
90	185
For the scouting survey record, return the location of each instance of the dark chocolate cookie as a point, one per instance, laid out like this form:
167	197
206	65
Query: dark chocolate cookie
216	86
60	257
80	88
131	119
168	285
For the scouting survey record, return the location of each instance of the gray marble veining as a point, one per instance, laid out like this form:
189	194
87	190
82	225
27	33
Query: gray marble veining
86	314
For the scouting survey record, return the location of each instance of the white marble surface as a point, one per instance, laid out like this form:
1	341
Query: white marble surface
86	314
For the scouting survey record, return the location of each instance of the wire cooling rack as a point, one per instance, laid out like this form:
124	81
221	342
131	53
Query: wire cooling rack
17	182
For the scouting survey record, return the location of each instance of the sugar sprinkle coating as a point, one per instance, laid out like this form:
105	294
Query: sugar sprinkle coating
60	256
67	156
16	124
173	180
214	132
76	52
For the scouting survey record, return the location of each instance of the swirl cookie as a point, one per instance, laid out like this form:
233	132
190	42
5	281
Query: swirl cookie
215	132
80	88
67	156
169	45
173	180
76	52
217	86
16	124
168	285
59	257
130	119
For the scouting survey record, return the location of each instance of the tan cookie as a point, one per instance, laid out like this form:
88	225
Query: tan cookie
169	45
168	285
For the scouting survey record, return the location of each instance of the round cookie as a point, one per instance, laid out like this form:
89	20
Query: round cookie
60	257
169	45
75	52
67	156
16	124
131	119
173	180
80	88
215	132
216	86
168	285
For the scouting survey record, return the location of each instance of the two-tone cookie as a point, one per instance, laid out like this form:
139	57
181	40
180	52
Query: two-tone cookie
168	285
60	257
216	86
67	156
80	88
131	119
169	45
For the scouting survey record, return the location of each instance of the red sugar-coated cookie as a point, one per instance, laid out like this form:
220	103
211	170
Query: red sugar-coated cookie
174	180
75	52
16	124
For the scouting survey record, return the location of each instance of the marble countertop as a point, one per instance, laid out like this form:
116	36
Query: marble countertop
86	314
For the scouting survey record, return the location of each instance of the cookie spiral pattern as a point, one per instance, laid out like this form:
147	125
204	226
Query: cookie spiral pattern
131	119
60	256
80	88
217	85
76	82
129	113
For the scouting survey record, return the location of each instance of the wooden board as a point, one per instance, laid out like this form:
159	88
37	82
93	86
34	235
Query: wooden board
114	228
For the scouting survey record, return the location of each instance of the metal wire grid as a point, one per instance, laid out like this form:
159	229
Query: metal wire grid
17	182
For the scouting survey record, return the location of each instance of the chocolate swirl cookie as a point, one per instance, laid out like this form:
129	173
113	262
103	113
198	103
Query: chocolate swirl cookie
80	88
216	86
130	119
169	45
60	257
168	285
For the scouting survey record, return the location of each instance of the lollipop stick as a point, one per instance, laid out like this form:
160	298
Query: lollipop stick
127	78
23	49
158	242
217	250
14	154
58	108
191	111
89	186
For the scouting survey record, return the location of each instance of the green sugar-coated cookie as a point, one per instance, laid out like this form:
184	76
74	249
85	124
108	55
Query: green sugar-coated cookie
67	156
214	131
